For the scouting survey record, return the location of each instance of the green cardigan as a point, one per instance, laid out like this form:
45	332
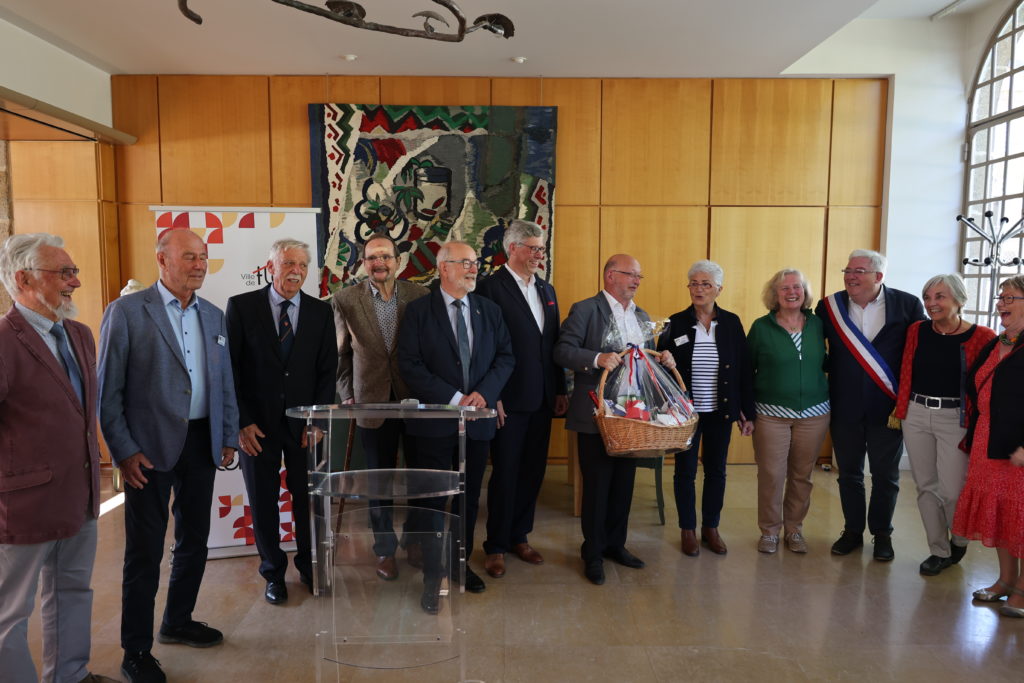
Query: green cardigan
782	377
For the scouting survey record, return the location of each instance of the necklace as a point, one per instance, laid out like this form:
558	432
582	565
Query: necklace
959	323
791	327
1007	339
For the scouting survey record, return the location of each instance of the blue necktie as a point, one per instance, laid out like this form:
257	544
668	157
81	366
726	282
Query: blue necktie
68	360
285	333
463	337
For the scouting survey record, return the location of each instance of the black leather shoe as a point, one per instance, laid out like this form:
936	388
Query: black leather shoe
934	564
956	553
142	667
193	634
883	548
430	601
847	543
594	571
625	558
474	584
276	592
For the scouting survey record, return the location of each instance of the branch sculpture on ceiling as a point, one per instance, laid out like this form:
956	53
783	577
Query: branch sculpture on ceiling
353	14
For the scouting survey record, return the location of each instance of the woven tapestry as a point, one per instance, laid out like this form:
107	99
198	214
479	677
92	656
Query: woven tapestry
426	175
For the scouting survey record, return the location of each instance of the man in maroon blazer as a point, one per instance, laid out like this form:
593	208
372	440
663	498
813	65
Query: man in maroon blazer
49	462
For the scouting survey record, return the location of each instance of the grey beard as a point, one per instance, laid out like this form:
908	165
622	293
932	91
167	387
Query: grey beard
66	311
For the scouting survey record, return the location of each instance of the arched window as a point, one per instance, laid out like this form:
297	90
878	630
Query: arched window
995	160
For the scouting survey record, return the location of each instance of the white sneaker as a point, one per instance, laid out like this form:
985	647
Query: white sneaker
796	543
768	544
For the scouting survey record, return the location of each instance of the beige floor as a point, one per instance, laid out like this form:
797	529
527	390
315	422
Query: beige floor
745	616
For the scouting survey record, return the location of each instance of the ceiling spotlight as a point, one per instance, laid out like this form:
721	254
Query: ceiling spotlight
519	60
350	58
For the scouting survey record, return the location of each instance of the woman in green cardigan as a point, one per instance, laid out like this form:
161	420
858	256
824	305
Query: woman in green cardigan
787	349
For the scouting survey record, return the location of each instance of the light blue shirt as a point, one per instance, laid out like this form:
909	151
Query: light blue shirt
43	325
293	310
188	330
448	299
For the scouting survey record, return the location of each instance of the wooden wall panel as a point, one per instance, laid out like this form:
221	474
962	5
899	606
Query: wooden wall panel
52	170
665	240
577	259
438	91
138	243
289	136
655	141
106	172
136	111
215	140
517	92
858	141
771	142
110	251
353	89
849	228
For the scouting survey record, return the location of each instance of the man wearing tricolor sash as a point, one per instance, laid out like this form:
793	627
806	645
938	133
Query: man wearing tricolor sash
866	326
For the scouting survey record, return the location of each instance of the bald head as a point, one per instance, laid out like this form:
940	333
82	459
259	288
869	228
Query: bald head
622	277
181	256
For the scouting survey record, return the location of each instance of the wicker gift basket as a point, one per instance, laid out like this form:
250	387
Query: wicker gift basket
628	437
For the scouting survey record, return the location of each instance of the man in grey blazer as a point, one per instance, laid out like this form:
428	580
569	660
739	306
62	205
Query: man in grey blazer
168	415
588	343
367	316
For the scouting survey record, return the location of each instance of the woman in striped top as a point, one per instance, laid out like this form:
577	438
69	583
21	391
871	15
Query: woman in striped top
787	349
711	354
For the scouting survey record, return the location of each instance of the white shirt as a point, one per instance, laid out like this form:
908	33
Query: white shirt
625	321
529	290
869	319
293	310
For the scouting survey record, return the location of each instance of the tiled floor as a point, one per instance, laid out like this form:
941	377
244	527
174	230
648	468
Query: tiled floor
744	616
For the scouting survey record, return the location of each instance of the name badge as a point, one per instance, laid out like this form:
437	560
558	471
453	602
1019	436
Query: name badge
682	340
221	340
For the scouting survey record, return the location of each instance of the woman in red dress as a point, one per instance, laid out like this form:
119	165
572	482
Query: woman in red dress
991	507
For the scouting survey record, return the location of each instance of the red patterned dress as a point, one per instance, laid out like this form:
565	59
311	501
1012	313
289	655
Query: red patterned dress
991	506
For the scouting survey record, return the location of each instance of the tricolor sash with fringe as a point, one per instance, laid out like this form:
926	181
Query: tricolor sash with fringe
859	346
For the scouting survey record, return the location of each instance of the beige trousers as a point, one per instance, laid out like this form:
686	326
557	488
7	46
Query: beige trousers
785	450
932	437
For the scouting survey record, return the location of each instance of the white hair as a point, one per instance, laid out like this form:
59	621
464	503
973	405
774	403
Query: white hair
446	250
519	230
279	247
878	261
21	252
709	267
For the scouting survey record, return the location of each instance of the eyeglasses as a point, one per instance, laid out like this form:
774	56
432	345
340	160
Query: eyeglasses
536	251
856	271
1007	299
700	285
383	258
635	276
66	273
467	263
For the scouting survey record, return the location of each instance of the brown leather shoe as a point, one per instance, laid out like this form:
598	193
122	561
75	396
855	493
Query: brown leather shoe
387	568
689	542
526	553
414	555
709	535
494	565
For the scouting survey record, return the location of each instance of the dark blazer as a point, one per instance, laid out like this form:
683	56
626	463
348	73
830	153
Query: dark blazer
1006	405
49	451
580	339
145	387
428	358
537	379
853	394
735	371
265	383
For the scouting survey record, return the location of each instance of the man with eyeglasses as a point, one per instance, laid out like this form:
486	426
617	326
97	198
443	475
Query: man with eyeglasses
169	417
367	316
866	327
49	463
586	346
534	393
283	354
454	348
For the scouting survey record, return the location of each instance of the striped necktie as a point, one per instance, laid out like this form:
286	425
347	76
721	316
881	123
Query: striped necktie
285	333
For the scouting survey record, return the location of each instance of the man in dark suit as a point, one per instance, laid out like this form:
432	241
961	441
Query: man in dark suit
367	316
454	348
283	354
168	414
49	463
592	336
534	393
866	326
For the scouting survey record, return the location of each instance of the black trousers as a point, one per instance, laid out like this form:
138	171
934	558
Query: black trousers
262	475
380	444
850	440
607	496
145	525
519	459
442	453
716	432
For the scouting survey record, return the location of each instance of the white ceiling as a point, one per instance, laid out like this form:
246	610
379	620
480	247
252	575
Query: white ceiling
559	38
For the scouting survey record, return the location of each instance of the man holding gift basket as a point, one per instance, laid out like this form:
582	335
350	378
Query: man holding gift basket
590	340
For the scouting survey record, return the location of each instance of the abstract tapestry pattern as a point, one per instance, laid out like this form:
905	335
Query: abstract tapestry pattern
426	175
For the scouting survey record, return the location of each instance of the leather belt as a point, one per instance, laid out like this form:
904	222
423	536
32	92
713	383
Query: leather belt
935	402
